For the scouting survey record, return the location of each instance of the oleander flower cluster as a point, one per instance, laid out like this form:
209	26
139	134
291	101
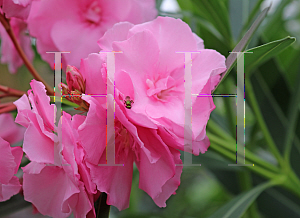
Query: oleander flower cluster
68	167
10	157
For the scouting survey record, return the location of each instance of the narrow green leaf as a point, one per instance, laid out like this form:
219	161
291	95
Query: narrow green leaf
231	59
238	205
265	52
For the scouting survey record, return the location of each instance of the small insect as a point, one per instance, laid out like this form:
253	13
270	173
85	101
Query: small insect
128	102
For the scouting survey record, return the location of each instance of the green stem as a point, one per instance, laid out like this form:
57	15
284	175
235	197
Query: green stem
292	121
245	180
102	209
294	182
213	127
250	157
291	181
228	107
230	155
261	122
64	101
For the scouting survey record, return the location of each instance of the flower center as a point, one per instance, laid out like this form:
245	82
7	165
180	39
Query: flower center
161	89
93	13
123	137
124	141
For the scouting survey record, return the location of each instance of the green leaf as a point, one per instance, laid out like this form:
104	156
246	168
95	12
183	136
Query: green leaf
217	14
264	52
238	205
293	114
273	96
158	4
289	204
231	59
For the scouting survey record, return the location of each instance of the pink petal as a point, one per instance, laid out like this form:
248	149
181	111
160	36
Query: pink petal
124	84
40	102
155	176
9	130
92	132
172	35
12	9
142	11
139	59
37	145
206	64
50	196
172	184
74	40
114	180
200	42
10	55
24	3
7	162
117	33
8	190
90	68
17	152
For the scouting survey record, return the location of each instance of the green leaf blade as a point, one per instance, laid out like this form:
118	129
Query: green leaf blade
238	205
264	52
231	59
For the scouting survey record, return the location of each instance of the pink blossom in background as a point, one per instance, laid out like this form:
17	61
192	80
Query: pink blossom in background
16	8
55	189
9	54
10	159
76	26
9	130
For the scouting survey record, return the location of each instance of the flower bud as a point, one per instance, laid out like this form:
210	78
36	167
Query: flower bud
75	88
75	80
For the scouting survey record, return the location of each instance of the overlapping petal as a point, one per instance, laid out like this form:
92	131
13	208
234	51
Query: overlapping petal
10	159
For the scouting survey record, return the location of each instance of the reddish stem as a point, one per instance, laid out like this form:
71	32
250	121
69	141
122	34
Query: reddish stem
4	95
3	105
11	92
6	25
8	108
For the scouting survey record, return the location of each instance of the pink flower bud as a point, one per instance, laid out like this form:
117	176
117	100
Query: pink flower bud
75	80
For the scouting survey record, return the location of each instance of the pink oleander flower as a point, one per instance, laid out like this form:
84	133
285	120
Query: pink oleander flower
148	133
76	26
16	8
9	54
156	74
10	159
57	180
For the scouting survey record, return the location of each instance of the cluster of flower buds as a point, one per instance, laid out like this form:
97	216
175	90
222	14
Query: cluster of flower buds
75	88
